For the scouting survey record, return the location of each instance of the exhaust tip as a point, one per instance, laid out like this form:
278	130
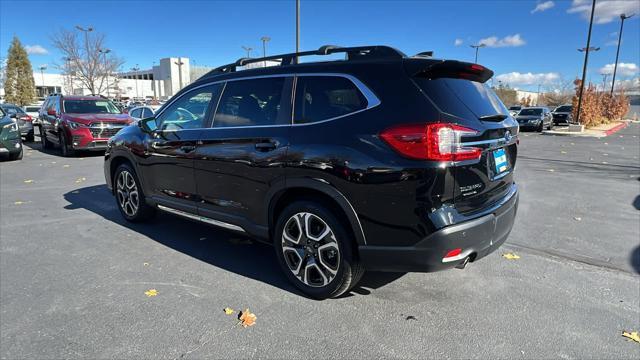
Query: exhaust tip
463	264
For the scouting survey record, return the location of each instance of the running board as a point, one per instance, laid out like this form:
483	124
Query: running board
203	219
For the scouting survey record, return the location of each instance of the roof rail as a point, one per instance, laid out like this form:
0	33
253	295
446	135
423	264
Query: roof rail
351	53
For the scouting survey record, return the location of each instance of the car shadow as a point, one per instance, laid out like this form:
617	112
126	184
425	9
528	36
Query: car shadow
636	202
36	145
635	259
227	250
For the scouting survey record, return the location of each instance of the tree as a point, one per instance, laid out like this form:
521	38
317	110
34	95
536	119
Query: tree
83	59
19	86
561	95
507	95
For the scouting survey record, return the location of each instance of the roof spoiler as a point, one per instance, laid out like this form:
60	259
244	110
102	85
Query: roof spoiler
450	69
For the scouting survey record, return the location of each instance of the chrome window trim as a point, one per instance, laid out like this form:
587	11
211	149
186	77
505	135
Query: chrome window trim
372	99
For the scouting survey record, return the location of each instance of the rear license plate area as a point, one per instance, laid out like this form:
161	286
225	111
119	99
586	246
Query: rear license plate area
498	164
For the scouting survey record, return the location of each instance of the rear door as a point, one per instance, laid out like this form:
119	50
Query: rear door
167	166
243	154
472	104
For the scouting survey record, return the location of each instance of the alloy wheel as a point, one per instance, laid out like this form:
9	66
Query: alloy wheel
310	249
127	193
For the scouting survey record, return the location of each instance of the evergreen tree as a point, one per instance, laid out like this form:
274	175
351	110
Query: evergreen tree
19	86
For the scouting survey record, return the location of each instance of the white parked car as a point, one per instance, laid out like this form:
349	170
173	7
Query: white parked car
32	110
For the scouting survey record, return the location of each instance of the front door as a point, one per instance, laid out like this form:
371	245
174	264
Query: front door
244	152
167	167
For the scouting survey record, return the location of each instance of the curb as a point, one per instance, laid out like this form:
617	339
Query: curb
616	128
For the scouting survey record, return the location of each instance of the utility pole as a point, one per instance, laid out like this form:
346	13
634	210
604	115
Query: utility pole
104	52
136	69
42	69
264	39
586	60
248	50
297	28
623	17
86	45
179	63
477	47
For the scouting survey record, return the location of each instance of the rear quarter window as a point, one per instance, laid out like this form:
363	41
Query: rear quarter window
325	97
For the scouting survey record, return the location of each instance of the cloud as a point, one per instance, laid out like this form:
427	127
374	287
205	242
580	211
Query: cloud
606	10
543	6
629	84
507	41
36	50
458	42
516	78
624	69
611	43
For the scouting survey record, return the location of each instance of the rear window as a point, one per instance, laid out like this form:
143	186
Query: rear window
530	112
563	109
325	97
462	98
90	107
32	109
10	109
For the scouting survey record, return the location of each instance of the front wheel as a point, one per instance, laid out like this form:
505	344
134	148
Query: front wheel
16	156
43	139
541	127
64	147
129	195
315	250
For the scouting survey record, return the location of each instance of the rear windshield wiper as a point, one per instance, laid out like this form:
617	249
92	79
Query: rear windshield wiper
494	117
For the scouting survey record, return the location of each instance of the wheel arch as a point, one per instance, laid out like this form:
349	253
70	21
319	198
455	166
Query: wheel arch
315	189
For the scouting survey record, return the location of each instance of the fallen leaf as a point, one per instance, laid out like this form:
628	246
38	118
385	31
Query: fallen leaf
228	311
605	154
551	170
604	162
53	162
510	256
29	181
151	292
81	179
576	218
66	165
563	152
572	144
145	264
19	203
632	336
410	317
247	318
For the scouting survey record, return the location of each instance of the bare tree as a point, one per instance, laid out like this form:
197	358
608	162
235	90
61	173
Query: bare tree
84	61
561	94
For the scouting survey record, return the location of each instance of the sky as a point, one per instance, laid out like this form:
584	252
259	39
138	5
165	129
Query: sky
527	42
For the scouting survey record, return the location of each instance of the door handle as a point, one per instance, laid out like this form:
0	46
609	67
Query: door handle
187	148
160	145
265	146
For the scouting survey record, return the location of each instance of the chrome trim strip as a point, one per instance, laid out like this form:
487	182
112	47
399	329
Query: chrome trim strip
207	220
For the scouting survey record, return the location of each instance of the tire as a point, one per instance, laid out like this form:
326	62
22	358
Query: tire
125	182
550	126
540	128
43	140
320	274
64	147
30	136
16	156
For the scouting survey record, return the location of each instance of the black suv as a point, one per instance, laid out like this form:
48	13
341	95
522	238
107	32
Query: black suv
378	162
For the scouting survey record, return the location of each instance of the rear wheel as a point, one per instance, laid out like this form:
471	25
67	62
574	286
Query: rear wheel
315	250
129	195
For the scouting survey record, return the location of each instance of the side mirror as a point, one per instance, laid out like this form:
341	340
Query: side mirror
148	125
13	115
51	112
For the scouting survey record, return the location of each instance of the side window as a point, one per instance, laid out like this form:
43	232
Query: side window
325	97
190	110
146	113
254	102
135	113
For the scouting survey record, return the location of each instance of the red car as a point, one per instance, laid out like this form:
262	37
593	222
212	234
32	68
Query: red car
79	122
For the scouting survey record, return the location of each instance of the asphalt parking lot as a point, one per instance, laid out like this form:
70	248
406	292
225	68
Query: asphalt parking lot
73	274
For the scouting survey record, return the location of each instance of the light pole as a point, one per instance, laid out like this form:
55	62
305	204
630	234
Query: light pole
604	82
623	17
477	47
586	60
264	39
86	46
69	72
104	52
248	50
42	69
179	63
136	69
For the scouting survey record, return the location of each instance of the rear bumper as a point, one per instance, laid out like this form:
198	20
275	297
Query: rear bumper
477	238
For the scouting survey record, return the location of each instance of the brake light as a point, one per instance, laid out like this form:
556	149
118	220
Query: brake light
437	141
26	117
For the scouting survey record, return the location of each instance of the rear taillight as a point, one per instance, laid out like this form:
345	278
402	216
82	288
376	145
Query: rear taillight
26	118
438	141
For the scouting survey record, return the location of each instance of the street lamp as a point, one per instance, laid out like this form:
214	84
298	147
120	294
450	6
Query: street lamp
623	17
86	34
136	69
248	50
68	60
481	45
586	51
104	52
42	69
264	39
179	63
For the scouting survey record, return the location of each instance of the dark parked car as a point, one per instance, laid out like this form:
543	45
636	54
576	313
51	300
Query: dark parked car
562	114
535	118
79	122
24	120
379	162
10	140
